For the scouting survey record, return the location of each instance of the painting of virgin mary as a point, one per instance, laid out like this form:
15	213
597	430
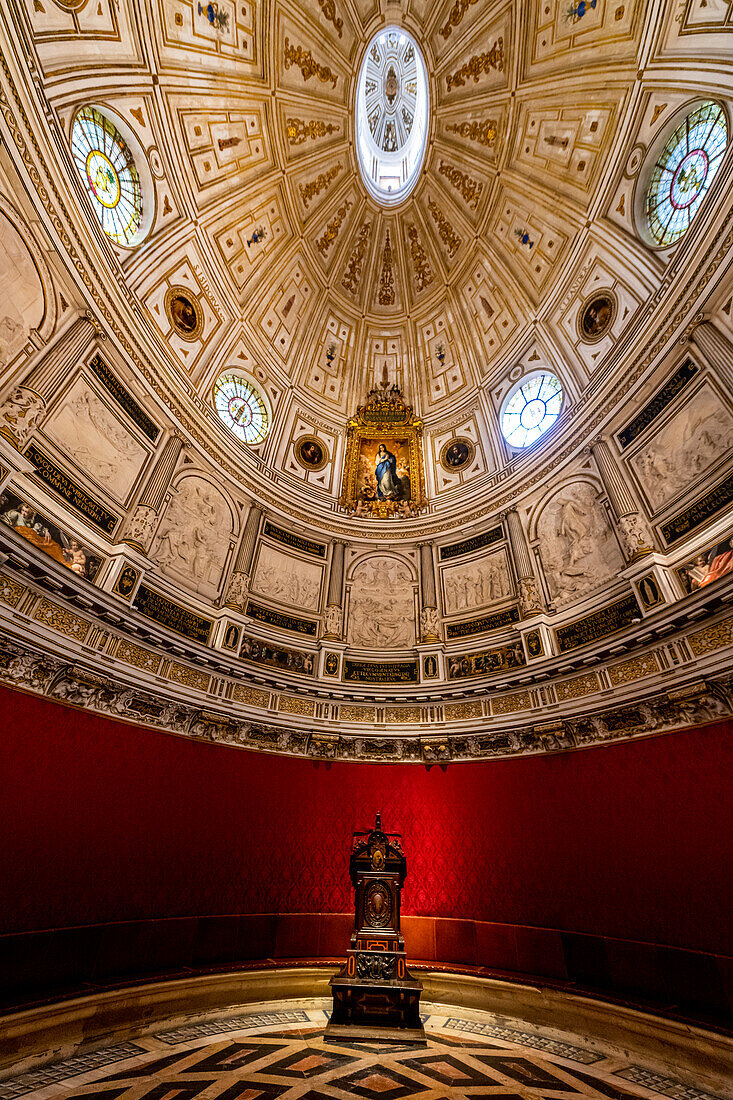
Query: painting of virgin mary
385	471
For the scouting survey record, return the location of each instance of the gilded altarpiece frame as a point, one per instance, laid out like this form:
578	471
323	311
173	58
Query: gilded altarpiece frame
384	432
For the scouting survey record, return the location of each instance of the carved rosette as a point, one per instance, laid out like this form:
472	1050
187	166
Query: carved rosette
237	592
429	625
141	527
635	536
20	414
333	622
530	600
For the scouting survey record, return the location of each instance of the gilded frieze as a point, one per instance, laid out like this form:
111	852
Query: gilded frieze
299	131
468	188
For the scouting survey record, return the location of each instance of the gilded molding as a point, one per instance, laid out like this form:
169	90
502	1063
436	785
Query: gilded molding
484	133
478	64
309	191
448	235
455	16
421	267
469	189
304	60
299	131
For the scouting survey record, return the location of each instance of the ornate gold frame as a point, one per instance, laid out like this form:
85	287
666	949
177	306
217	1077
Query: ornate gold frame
385	416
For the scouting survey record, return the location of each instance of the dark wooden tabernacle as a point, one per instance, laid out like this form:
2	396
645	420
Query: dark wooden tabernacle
374	994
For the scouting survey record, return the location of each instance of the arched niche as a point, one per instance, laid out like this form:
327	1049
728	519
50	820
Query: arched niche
382	600
578	548
25	288
196	534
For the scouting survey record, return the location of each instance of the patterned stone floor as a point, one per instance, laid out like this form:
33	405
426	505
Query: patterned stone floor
279	1053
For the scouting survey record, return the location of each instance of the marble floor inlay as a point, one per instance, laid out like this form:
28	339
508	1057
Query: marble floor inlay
282	1055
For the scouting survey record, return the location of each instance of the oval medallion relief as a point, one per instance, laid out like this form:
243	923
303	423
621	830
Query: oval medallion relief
378	905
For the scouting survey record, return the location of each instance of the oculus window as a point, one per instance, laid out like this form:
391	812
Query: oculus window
107	166
241	406
531	408
683	171
391	115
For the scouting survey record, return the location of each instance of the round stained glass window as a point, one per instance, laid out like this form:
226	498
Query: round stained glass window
531	408
107	166
391	115
683	172
242	408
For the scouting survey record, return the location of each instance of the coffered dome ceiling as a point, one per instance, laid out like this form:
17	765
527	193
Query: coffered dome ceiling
537	123
286	213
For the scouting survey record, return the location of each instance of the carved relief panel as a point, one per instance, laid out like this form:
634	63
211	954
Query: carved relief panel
578	549
477	584
287	578
694	439
195	535
92	436
382	604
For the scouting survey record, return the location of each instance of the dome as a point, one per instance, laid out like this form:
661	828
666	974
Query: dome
391	115
365	372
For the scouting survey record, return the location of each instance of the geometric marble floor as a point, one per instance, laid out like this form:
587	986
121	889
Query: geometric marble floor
278	1053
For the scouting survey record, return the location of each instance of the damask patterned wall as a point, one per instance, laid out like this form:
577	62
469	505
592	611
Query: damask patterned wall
103	822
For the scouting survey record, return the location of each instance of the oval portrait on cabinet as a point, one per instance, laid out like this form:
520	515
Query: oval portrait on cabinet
311	453
596	316
184	313
456	454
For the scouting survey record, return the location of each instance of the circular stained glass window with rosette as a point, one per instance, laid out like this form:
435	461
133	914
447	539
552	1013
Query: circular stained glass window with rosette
107	166
683	171
241	407
531	408
391	115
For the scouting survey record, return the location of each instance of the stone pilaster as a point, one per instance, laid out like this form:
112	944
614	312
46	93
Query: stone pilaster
334	615
633	530
24	406
238	589
141	523
715	345
530	599
429	617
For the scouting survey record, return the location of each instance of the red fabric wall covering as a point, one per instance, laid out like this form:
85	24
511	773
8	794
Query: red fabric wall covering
104	822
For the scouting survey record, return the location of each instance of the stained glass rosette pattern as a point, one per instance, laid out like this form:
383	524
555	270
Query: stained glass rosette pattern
241	407
531	409
107	167
683	172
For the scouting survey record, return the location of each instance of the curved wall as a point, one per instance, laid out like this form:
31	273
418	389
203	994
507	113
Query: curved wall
562	865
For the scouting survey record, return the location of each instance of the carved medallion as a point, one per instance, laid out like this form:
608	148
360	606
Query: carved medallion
378	905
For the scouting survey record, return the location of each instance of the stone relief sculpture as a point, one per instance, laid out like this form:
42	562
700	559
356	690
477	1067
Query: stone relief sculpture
21	292
288	579
20	413
476	584
382	608
692	440
100	443
577	546
194	536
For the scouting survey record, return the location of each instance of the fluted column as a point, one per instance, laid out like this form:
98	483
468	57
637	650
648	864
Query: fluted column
633	530
715	346
429	618
334	617
141	524
24	406
530	600
239	582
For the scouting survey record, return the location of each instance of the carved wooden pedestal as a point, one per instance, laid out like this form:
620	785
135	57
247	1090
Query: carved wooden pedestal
374	995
